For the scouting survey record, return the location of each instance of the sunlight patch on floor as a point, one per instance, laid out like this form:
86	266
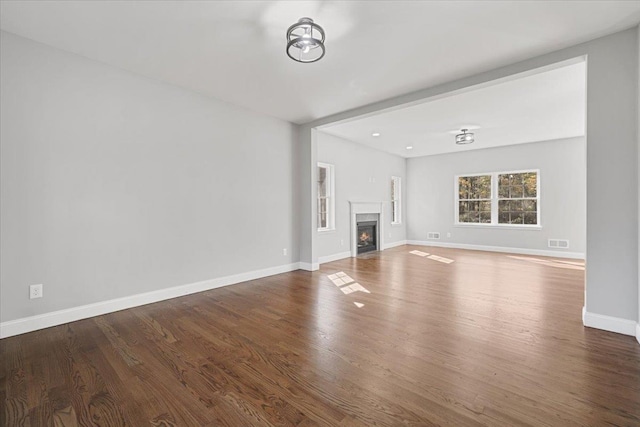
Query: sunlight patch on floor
569	265
419	253
347	285
340	279
354	287
432	257
440	259
579	263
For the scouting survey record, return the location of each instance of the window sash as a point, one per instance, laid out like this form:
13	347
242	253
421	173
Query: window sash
516	211
325	209
396	197
472	215
395	212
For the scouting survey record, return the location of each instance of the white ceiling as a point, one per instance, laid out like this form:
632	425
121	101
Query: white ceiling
544	106
235	51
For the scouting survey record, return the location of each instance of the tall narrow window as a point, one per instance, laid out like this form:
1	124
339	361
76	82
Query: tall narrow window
396	197
326	202
518	198
474	199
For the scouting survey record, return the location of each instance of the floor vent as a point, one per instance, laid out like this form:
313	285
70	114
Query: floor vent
559	244
433	235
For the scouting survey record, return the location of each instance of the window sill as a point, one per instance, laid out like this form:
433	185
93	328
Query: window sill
501	226
326	230
396	224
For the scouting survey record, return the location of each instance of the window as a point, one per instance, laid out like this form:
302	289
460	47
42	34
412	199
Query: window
474	199
499	198
396	196
326	202
518	198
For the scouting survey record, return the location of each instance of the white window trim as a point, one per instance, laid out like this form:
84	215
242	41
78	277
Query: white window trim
494	202
398	191
331	208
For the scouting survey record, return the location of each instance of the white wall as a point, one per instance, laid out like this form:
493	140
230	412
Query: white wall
361	174
114	184
562	165
612	158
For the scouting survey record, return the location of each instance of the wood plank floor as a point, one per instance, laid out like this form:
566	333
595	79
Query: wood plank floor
488	339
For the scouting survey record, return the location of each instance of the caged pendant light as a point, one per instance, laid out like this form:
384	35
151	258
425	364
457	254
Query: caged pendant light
464	137
305	41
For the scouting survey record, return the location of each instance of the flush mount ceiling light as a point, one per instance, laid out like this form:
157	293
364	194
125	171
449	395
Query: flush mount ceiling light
409	147
375	134
305	41
464	137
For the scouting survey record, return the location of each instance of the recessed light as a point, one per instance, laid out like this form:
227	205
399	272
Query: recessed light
409	147
375	134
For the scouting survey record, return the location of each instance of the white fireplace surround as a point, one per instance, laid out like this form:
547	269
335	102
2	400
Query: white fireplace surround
366	208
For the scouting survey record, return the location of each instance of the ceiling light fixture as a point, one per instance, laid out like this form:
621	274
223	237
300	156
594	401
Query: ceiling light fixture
375	134
464	137
305	41
409	147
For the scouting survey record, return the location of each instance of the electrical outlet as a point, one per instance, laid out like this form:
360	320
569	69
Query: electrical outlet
448	234
342	242
284	251
35	291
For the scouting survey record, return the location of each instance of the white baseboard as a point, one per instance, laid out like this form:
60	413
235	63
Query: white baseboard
309	266
343	255
638	332
394	244
47	320
523	251
609	323
334	257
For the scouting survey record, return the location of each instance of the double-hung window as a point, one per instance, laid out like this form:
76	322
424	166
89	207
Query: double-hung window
498	198
396	200
326	199
474	199
518	198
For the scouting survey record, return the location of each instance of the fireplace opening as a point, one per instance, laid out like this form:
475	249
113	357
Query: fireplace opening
366	237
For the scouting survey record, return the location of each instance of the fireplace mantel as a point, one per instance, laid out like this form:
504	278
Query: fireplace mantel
365	207
360	207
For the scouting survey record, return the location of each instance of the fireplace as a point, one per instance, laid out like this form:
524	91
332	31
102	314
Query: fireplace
371	214
366	237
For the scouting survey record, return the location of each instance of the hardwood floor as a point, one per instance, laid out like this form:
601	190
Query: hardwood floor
488	339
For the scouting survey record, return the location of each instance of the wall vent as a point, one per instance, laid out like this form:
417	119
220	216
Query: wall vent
558	243
433	235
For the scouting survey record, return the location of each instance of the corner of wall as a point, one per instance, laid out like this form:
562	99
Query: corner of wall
307	157
610	323
638	172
